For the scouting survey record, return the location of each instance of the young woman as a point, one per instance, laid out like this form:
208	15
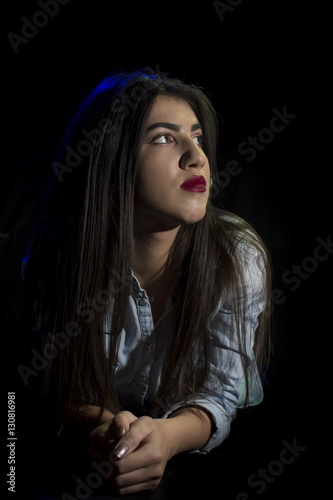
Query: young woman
152	305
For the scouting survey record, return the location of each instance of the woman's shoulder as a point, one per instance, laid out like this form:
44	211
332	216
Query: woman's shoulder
248	255
246	248
241	236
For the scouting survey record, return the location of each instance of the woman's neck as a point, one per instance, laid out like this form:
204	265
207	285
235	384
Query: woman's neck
150	253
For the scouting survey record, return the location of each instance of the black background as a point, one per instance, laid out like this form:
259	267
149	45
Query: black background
262	55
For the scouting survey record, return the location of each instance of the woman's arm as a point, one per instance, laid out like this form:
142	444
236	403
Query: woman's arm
188	429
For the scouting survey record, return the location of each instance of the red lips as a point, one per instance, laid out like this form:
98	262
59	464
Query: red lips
196	184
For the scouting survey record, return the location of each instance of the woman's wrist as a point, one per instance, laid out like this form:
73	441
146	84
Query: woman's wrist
186	429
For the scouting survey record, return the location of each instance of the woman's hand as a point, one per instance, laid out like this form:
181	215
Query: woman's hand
105	437
138	449
141	456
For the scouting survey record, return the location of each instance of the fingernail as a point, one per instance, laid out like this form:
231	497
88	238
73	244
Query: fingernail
120	451
121	430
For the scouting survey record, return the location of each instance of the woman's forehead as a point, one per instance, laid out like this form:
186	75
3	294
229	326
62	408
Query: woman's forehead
171	110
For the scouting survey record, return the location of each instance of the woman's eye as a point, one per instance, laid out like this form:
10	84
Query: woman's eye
198	139
166	138
162	139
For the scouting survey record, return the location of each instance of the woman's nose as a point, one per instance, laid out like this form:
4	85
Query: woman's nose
192	157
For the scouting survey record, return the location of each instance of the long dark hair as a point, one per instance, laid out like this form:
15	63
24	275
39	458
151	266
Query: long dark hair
79	258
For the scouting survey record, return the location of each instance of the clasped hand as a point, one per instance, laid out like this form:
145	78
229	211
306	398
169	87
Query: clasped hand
138	449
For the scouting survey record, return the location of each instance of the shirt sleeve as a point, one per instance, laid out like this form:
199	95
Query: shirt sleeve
225	390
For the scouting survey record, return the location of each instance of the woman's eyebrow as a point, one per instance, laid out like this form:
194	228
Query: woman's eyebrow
172	126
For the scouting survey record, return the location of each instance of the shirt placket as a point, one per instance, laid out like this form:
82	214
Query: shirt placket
148	343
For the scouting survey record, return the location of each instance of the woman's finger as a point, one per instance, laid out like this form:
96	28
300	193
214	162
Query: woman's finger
121	423
140	470
104	438
138	431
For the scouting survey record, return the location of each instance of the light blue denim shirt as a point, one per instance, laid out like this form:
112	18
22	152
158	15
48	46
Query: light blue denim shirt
143	347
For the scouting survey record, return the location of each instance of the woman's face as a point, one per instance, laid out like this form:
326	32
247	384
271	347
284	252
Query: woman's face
171	154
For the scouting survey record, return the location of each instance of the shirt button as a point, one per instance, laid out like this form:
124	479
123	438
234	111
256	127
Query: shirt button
142	302
148	346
